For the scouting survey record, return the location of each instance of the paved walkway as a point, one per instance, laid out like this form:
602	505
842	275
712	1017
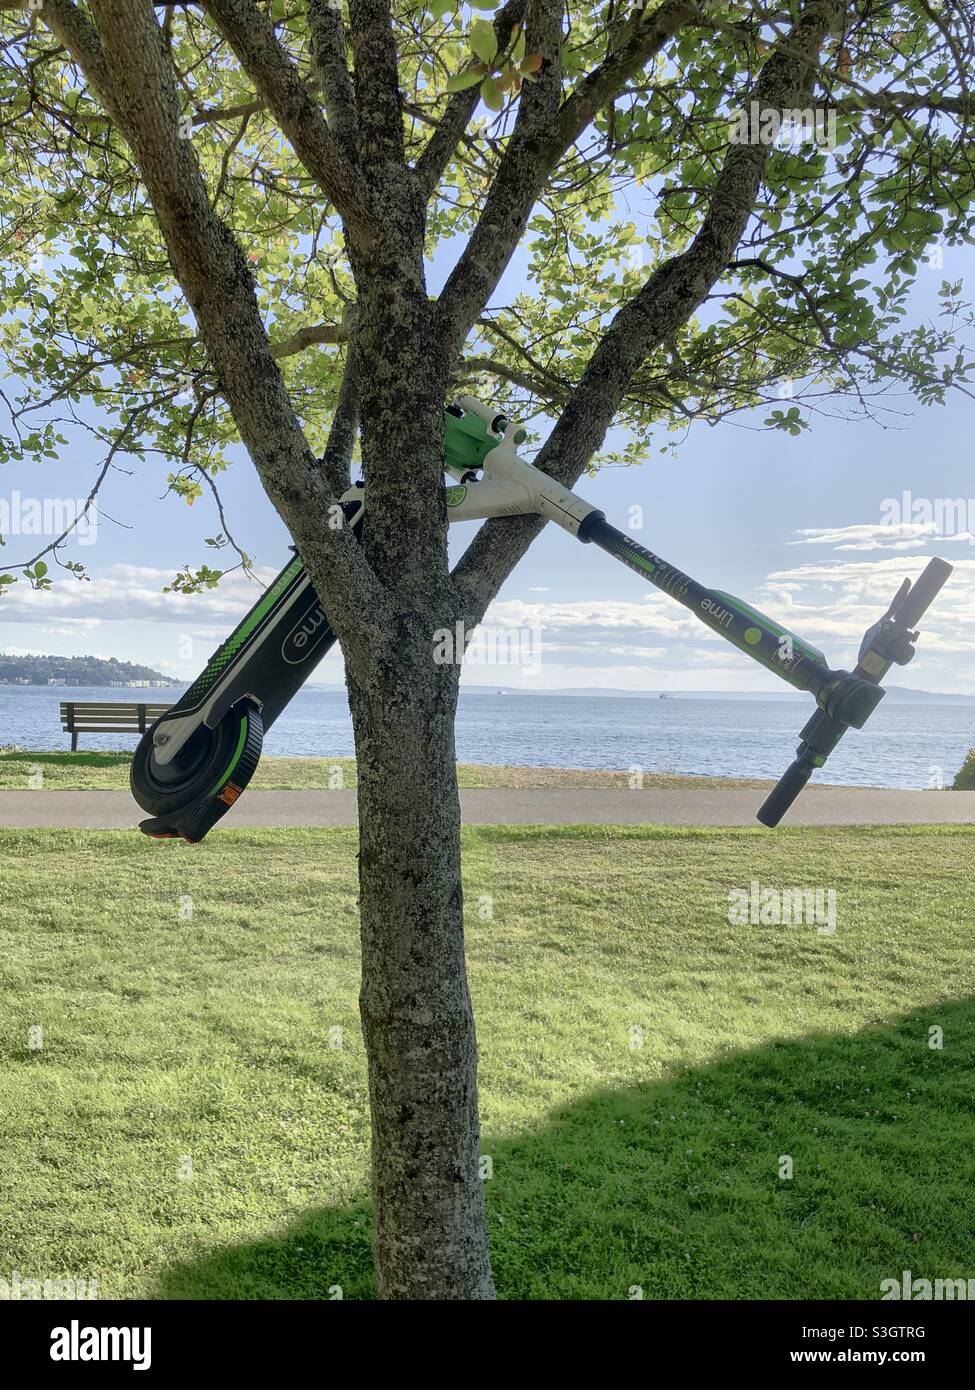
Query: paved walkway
101	810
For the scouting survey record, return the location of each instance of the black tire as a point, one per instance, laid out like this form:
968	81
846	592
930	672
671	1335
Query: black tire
204	763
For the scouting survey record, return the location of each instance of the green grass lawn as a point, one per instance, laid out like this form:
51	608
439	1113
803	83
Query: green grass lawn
93	771
171	1041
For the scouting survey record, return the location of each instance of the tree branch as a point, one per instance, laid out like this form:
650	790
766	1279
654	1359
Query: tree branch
250	34
666	301
852	349
628	58
439	149
534	149
337	458
196	412
117	447
895	102
328	47
75	32
376	77
546	388
213	272
311	336
210	114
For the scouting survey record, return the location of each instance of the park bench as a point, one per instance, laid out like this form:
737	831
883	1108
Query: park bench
89	717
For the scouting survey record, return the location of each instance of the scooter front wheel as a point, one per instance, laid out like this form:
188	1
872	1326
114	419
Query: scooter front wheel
188	794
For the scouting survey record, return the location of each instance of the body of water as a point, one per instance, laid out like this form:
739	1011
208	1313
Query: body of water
904	745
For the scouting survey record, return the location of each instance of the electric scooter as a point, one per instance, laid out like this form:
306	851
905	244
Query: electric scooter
196	760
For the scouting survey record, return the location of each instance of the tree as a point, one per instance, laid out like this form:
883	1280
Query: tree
218	224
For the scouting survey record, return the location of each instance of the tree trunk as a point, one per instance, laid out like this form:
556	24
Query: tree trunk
431	1239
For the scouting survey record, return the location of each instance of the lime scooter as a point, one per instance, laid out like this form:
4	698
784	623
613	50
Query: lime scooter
194	762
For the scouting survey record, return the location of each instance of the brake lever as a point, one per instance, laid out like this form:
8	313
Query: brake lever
892	642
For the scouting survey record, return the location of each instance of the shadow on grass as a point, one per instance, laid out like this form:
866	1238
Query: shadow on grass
681	1188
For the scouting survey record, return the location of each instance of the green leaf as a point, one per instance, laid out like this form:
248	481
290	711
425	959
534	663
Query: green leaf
491	94
40	569
462	80
483	40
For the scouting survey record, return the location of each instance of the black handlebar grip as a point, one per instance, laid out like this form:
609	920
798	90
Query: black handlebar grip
923	592
785	791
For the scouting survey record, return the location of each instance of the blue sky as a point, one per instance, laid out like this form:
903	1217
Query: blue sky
796	526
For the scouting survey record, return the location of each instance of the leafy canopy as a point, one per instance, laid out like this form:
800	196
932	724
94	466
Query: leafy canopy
95	333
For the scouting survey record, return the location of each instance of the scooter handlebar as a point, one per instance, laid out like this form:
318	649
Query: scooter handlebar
922	593
785	791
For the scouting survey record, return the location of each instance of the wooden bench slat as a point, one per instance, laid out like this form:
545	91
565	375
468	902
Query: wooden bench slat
107	708
92	717
83	714
103	726
77	723
106	714
104	729
110	709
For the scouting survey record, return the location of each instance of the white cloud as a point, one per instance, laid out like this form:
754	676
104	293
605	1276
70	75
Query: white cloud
867	536
878	535
645	643
840	599
653	613
128	592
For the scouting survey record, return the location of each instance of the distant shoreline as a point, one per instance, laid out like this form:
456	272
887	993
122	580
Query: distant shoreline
56	684
895	694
